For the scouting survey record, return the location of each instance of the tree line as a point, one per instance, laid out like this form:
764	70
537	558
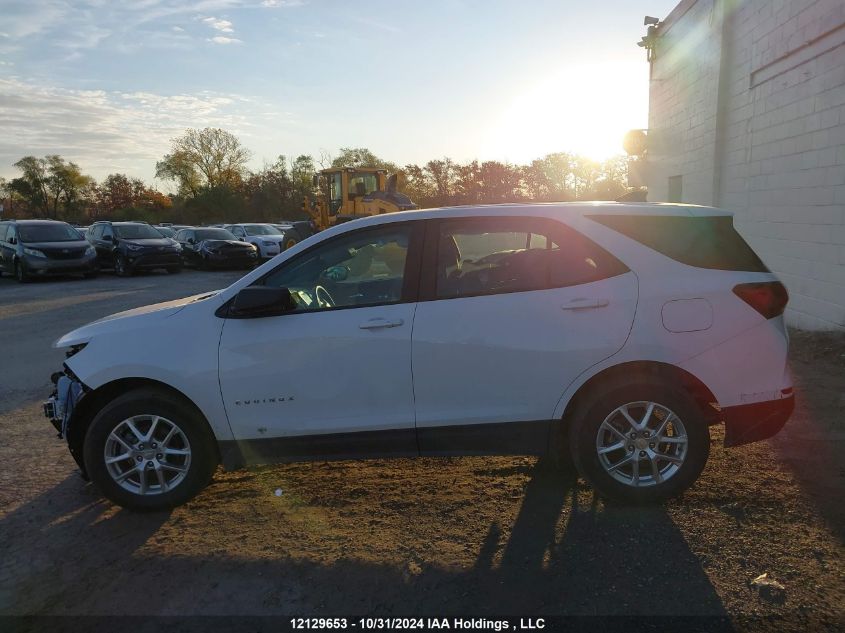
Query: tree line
212	183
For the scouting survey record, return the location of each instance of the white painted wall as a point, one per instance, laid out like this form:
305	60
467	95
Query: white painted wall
775	151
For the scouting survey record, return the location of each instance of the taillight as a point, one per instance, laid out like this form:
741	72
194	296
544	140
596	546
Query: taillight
769	298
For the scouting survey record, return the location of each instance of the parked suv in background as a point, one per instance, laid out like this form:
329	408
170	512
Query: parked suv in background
30	248
131	246
264	237
614	333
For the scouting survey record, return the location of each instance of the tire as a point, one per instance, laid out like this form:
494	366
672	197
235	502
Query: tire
611	474
20	273
184	475
121	268
292	238
174	270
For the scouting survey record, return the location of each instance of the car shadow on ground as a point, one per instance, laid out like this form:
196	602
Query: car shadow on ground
562	557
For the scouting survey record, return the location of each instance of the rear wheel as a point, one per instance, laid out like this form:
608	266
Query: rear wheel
147	450
640	442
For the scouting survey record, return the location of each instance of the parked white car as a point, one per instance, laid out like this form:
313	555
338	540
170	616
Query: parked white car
614	332
265	237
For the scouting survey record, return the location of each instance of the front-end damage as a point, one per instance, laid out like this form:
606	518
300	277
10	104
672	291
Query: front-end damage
60	407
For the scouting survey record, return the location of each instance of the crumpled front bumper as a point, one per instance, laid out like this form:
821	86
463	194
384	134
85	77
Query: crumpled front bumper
757	421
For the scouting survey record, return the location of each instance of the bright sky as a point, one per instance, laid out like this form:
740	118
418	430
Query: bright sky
107	83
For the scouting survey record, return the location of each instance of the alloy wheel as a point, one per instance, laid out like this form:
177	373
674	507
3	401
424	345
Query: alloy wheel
642	444
147	455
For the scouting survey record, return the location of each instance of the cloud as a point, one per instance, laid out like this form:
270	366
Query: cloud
222	39
220	25
282	3
107	132
178	29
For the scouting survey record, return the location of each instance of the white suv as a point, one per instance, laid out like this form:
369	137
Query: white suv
614	332
264	237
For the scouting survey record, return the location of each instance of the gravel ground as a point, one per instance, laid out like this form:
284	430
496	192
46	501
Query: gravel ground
446	536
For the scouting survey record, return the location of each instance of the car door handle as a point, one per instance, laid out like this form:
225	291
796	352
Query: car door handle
377	324
585	303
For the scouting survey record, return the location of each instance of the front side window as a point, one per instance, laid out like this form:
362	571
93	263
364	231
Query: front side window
481	256
362	184
364	268
335	193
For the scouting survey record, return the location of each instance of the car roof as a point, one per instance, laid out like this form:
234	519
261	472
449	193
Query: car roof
37	221
551	210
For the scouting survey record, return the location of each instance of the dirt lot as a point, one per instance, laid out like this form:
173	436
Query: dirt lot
469	536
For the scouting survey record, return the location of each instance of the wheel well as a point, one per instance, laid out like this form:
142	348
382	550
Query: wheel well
702	395
95	400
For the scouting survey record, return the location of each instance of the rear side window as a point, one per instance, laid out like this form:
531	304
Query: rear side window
479	256
705	242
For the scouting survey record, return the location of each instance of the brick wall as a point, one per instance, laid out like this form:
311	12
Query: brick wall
774	92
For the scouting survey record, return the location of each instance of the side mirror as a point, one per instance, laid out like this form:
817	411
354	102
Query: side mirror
255	302
191	240
13	240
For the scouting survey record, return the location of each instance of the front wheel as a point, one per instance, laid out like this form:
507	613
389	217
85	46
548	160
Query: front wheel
641	442
147	450
121	267
20	273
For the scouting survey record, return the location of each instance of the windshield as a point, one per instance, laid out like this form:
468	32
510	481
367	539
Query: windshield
165	231
136	232
260	229
362	184
214	234
48	233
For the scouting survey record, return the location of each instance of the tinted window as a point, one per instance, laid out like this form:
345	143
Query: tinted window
708	242
364	268
136	232
501	255
5	232
97	232
48	233
213	234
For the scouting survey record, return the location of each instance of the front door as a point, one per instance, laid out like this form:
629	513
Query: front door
332	377
517	309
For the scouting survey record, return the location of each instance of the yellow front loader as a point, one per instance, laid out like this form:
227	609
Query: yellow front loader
347	193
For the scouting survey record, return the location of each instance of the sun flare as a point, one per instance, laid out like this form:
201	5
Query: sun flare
584	109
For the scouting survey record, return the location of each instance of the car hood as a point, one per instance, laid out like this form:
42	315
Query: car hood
153	241
227	243
57	246
128	320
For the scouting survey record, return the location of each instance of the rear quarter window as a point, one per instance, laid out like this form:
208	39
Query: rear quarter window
704	242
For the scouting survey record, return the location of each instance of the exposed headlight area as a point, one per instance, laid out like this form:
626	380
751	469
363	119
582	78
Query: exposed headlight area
134	247
33	252
75	349
90	251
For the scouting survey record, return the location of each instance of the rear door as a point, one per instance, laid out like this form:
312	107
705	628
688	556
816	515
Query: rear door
517	308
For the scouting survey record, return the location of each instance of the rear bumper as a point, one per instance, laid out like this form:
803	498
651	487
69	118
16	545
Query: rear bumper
757	421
